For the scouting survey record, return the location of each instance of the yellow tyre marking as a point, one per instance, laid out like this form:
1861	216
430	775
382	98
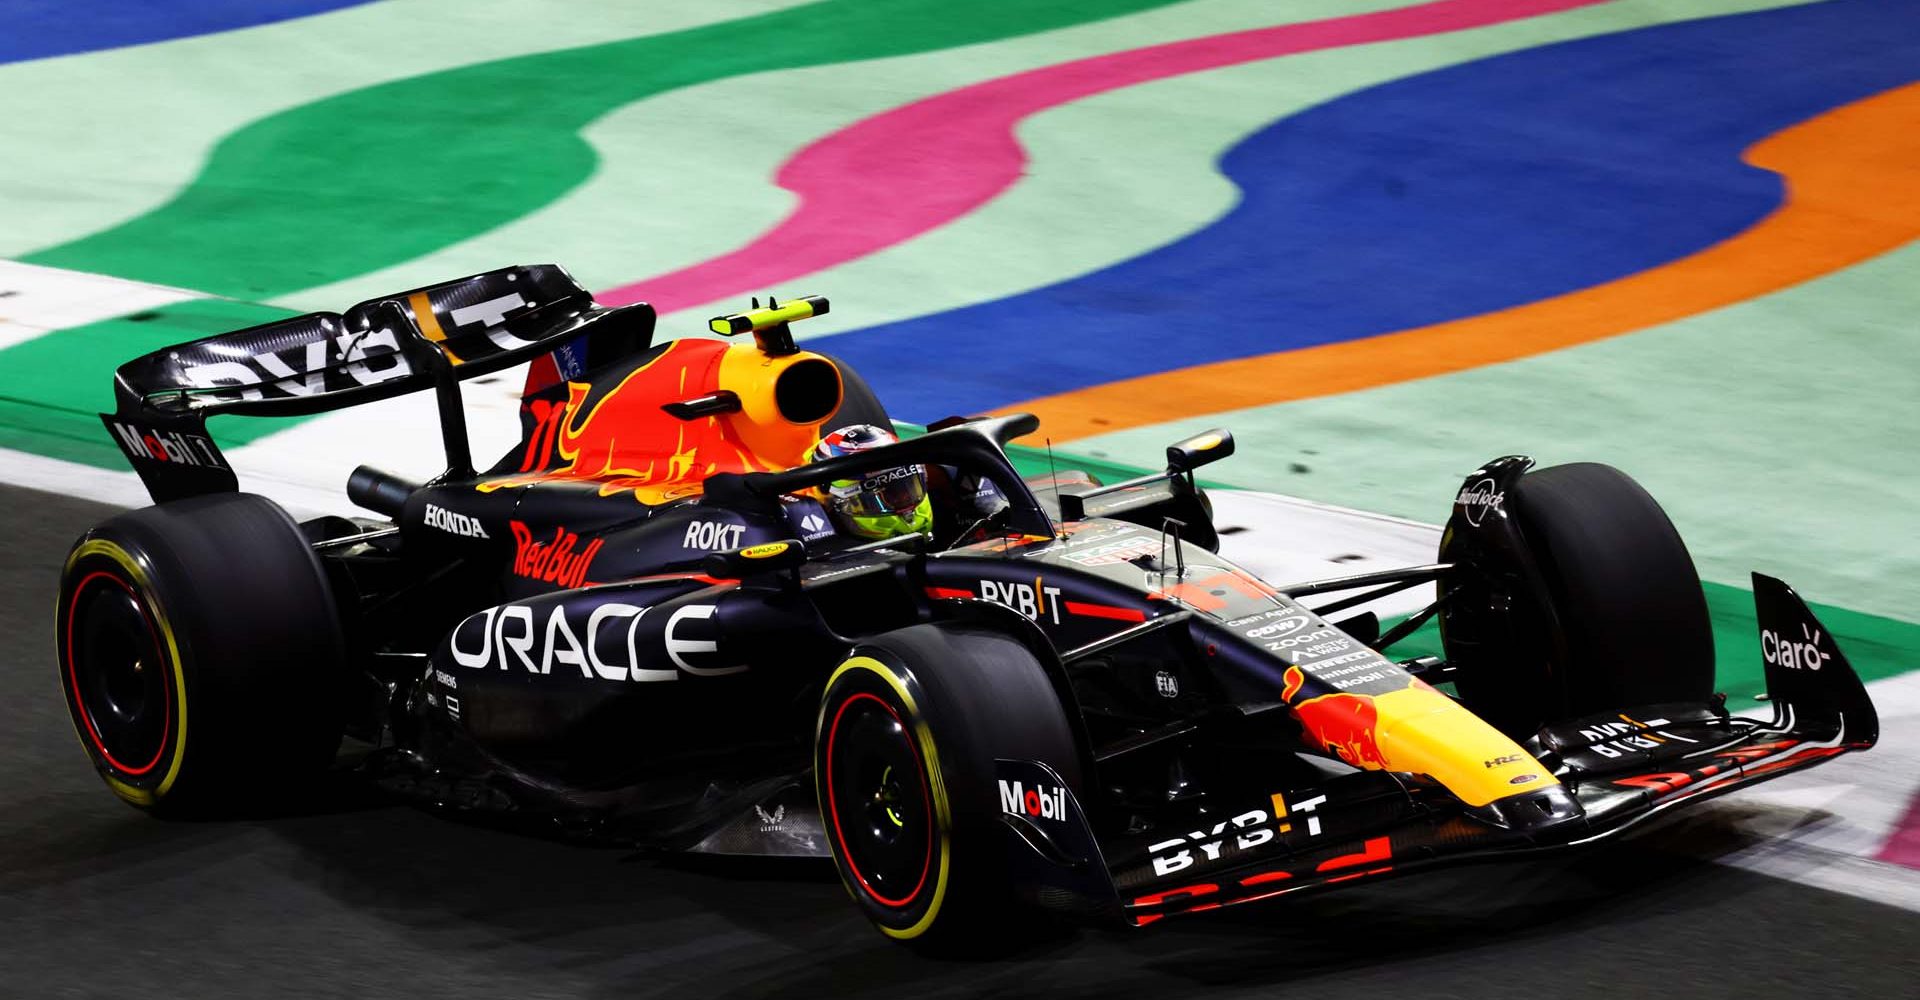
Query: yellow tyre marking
936	787
120	556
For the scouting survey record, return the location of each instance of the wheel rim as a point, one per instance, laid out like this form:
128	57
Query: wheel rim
117	674
877	800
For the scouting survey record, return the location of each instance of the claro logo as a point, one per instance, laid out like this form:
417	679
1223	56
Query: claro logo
1784	651
509	635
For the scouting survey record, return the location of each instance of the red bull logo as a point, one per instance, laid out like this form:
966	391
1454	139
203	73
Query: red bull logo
553	561
1347	724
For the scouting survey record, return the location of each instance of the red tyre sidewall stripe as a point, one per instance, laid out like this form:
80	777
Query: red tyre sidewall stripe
73	676
926	804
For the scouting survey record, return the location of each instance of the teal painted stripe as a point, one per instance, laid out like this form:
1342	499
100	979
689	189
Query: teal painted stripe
1877	647
374	177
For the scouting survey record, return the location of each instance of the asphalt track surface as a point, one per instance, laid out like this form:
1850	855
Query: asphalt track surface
359	898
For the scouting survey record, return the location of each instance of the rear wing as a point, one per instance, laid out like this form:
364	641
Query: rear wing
432	336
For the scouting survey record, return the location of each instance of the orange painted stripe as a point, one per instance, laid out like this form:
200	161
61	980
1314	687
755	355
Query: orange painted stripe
429	324
1853	192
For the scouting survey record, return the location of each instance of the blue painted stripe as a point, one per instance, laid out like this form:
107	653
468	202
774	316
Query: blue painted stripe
1445	195
39	29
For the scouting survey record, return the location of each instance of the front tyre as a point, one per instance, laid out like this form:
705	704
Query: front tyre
909	729
200	654
1620	620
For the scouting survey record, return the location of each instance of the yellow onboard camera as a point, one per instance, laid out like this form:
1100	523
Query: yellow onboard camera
769	325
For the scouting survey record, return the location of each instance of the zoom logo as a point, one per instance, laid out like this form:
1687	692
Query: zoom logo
1306	639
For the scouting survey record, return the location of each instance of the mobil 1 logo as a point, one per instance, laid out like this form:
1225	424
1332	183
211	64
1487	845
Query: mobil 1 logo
152	444
1029	792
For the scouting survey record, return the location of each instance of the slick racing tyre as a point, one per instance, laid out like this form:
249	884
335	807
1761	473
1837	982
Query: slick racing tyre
1632	622
910	726
200	655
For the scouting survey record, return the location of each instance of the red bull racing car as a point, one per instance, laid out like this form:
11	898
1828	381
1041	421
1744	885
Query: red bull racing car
661	618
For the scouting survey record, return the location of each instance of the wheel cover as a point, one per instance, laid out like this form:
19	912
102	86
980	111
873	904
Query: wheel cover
878	802
119	675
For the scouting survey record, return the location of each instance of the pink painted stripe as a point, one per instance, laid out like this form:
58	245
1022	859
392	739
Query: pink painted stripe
1903	847
889	178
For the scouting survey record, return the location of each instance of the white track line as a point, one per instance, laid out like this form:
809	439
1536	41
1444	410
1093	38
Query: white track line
35	300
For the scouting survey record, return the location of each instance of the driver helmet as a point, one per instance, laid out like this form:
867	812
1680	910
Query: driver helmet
880	504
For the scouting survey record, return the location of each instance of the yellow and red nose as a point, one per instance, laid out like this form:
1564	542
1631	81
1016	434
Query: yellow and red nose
1419	730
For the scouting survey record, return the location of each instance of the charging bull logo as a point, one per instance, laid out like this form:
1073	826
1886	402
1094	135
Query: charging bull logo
1346	724
625	441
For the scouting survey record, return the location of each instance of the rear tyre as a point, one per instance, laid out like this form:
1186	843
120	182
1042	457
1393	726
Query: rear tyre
201	656
1632	622
909	728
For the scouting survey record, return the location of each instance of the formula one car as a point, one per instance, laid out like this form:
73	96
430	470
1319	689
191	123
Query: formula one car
646	621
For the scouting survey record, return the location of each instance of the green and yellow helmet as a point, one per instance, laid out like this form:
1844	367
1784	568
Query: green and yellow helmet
884	503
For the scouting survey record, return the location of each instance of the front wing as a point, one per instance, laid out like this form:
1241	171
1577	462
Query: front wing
1615	770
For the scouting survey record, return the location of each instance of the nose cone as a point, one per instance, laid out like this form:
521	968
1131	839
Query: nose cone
1536	813
1419	730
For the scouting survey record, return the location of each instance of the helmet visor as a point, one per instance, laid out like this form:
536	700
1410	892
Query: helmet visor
880	494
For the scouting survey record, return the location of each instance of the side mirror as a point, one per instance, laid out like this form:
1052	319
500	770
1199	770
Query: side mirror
1199	450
